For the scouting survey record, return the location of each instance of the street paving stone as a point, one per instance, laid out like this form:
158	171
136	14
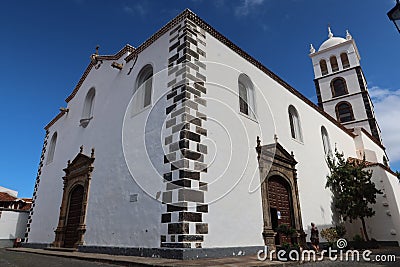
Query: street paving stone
38	257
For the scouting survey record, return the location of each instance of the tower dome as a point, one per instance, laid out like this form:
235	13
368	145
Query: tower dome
332	41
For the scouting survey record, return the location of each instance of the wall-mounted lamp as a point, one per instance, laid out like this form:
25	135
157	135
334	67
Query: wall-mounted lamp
117	65
64	110
394	15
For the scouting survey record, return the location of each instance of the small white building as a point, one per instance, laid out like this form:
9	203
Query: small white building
14	213
157	152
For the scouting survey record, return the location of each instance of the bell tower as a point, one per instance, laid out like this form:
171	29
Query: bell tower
341	86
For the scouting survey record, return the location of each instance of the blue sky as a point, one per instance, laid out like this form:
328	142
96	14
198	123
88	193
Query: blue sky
46	47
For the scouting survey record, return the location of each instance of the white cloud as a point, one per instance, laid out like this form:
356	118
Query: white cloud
387	110
136	9
247	6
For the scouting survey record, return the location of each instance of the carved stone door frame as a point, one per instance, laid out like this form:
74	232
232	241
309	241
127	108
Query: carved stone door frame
274	160
78	172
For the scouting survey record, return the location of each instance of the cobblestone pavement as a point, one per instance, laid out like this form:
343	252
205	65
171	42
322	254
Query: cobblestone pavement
18	259
36	257
390	255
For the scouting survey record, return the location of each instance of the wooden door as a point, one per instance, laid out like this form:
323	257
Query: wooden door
74	217
280	205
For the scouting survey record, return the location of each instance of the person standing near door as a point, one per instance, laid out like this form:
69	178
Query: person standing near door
314	237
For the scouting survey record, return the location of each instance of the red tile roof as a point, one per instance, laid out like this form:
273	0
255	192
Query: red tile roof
6	197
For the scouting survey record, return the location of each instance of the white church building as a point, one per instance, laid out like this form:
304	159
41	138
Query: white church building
187	147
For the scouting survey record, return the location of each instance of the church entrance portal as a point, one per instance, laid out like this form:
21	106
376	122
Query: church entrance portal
71	223
279	194
74	216
281	209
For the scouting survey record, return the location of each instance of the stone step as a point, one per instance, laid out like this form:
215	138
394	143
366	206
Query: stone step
61	249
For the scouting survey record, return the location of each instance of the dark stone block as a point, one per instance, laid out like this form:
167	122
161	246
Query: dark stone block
179	184
190	77
183	45
190	39
180	164
189	174
170	122
202	148
191	90
184	58
200	76
201	228
170	157
163	238
175	29
168	140
173	58
165	218
200	87
190	238
189	135
190	195
175	45
183	69
171	70
201	52
177	207
201	101
202	208
171	83
180	111
201	131
200	64
182	96
181	126
201	115
200	166
192	155
168	176
167	197
178	228
189	103
190	217
170	108
172	94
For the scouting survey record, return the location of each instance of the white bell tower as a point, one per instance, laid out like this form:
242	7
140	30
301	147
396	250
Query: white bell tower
341	86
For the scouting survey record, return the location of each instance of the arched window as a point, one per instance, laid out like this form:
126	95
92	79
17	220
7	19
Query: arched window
295	128
385	161
323	66
334	64
52	148
339	87
344	112
325	141
143	89
246	96
87	112
345	60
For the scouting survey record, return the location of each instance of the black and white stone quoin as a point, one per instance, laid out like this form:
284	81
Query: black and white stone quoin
183	198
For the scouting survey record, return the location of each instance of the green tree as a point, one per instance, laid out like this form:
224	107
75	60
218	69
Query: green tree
352	188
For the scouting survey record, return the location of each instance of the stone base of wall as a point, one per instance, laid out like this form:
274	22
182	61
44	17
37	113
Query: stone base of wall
6	243
174	253
36	245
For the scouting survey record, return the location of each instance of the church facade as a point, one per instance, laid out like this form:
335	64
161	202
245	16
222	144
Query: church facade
187	146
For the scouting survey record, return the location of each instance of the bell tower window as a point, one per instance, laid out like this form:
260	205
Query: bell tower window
334	63
344	112
323	66
345	60
339	87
